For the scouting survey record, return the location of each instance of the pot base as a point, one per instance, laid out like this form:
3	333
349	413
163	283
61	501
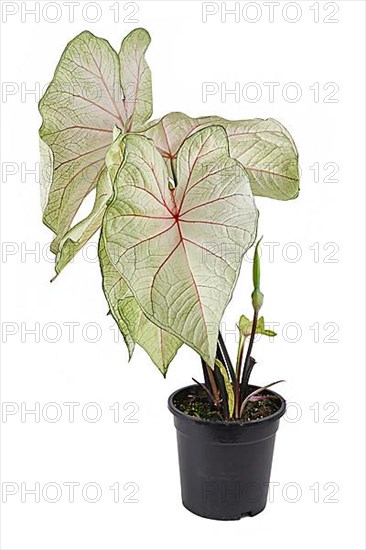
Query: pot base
224	518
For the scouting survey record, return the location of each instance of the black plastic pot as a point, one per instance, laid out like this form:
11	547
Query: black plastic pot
224	467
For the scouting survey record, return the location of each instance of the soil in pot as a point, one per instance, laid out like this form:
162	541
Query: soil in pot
195	402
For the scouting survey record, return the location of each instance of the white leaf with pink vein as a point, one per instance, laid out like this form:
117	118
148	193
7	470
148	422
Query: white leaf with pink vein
93	89
180	250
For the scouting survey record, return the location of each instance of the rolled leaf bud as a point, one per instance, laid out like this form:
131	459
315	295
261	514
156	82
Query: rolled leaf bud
257	296
257	266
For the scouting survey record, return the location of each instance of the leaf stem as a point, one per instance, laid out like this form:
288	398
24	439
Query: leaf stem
249	351
239	361
212	381
224	401
225	357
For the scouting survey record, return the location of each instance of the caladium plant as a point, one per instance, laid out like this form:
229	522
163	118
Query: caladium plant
174	200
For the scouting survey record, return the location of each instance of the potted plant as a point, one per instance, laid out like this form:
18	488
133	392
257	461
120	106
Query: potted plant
174	203
226	428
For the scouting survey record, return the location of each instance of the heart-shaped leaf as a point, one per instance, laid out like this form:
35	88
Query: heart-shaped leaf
93	89
180	249
264	148
160	345
133	324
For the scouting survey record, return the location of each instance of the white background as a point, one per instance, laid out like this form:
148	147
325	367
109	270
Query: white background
323	366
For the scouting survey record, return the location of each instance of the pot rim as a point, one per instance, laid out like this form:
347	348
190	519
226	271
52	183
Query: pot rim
229	423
